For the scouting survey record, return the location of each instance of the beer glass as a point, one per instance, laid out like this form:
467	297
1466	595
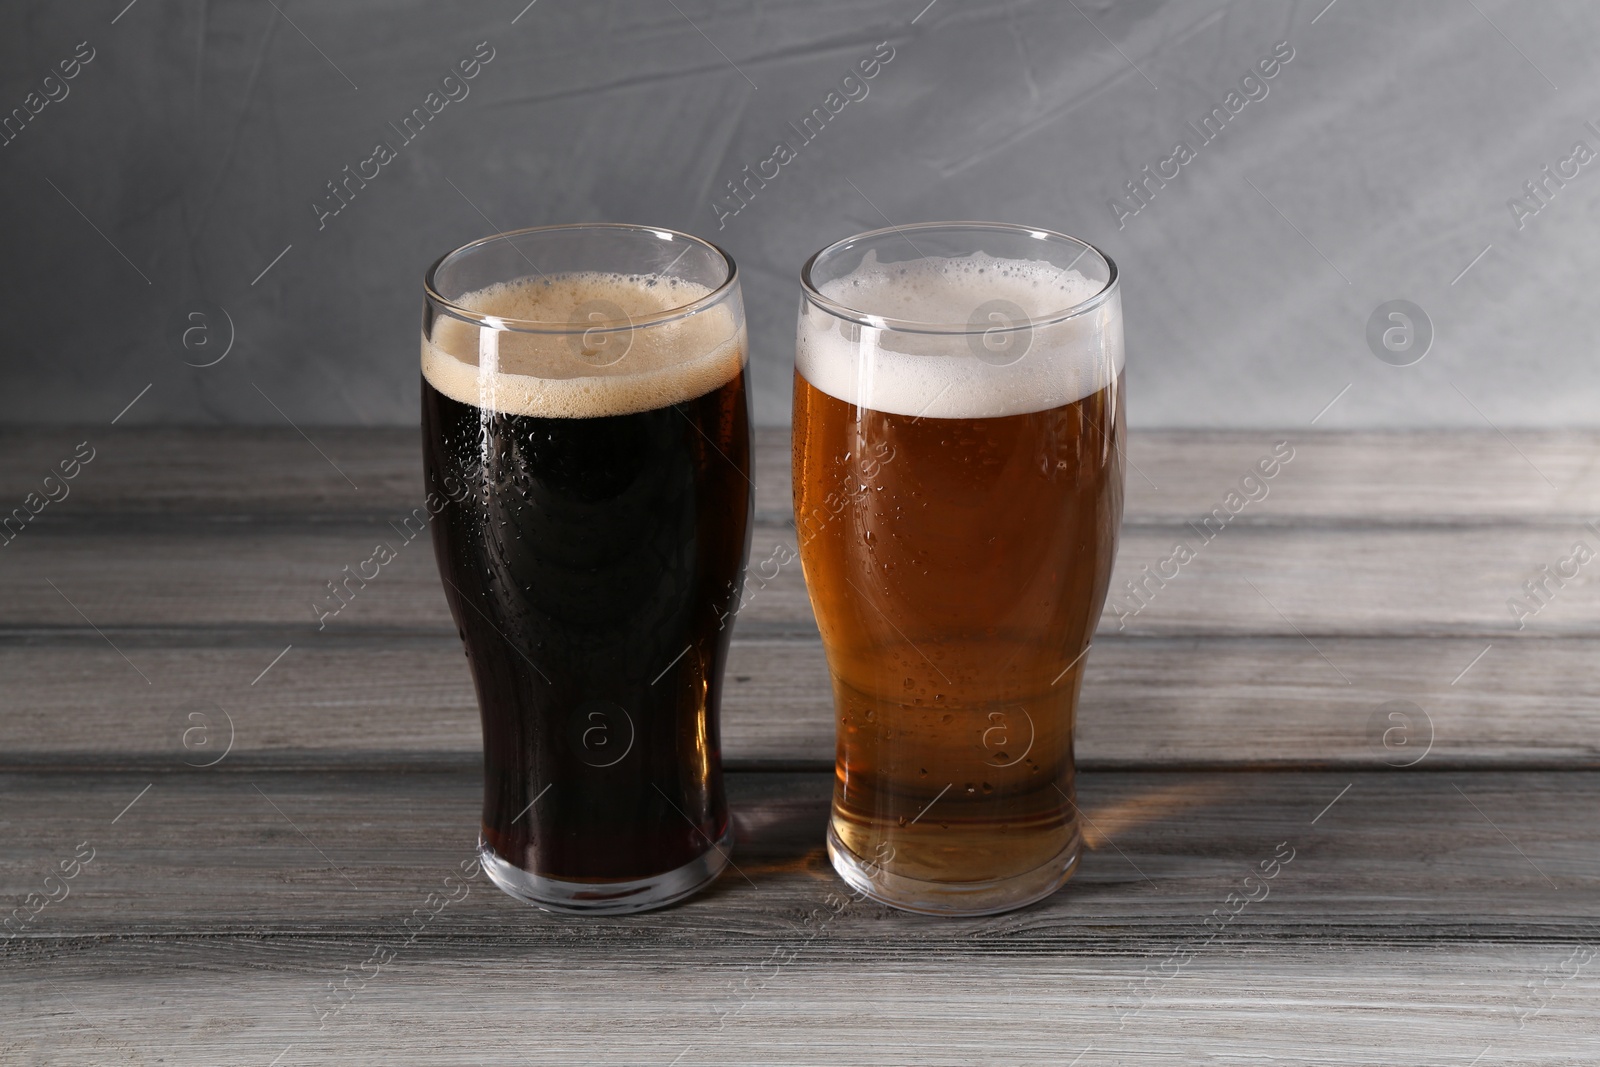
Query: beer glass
958	429
586	442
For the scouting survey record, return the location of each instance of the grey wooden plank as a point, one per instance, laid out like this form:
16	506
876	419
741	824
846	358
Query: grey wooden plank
206	1003
380	698
231	470
341	854
1401	476
1376	477
209	926
212	925
1317	580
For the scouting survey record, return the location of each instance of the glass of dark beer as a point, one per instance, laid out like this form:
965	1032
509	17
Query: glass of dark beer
958	431
586	442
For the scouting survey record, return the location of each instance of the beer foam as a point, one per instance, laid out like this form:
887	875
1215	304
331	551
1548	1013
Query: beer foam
568	375
942	376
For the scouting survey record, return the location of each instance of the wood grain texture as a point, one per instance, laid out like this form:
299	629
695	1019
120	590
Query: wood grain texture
1429	914
1317	580
445	1002
1399	857
206	550
384	698
218	909
1175	475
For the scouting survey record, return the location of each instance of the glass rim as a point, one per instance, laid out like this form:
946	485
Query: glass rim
541	326
887	322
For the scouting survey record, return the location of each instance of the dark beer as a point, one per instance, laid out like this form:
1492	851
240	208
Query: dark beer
957	512
592	544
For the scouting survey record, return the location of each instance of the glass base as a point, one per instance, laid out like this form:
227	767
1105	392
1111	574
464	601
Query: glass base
612	897
954	898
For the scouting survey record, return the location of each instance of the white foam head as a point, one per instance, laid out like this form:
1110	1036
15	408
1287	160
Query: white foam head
563	374
952	375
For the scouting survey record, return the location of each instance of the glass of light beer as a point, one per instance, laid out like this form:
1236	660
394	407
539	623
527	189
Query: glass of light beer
958	432
586	443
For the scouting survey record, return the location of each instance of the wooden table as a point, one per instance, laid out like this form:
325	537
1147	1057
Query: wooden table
1439	913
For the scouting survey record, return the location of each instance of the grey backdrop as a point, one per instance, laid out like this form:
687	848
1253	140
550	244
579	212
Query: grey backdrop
188	153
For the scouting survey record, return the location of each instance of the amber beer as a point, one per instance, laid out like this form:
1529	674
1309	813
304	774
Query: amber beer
958	489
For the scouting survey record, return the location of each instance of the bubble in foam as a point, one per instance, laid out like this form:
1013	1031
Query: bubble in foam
593	361
962	373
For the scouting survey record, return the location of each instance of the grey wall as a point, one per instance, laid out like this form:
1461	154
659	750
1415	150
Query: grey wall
196	141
